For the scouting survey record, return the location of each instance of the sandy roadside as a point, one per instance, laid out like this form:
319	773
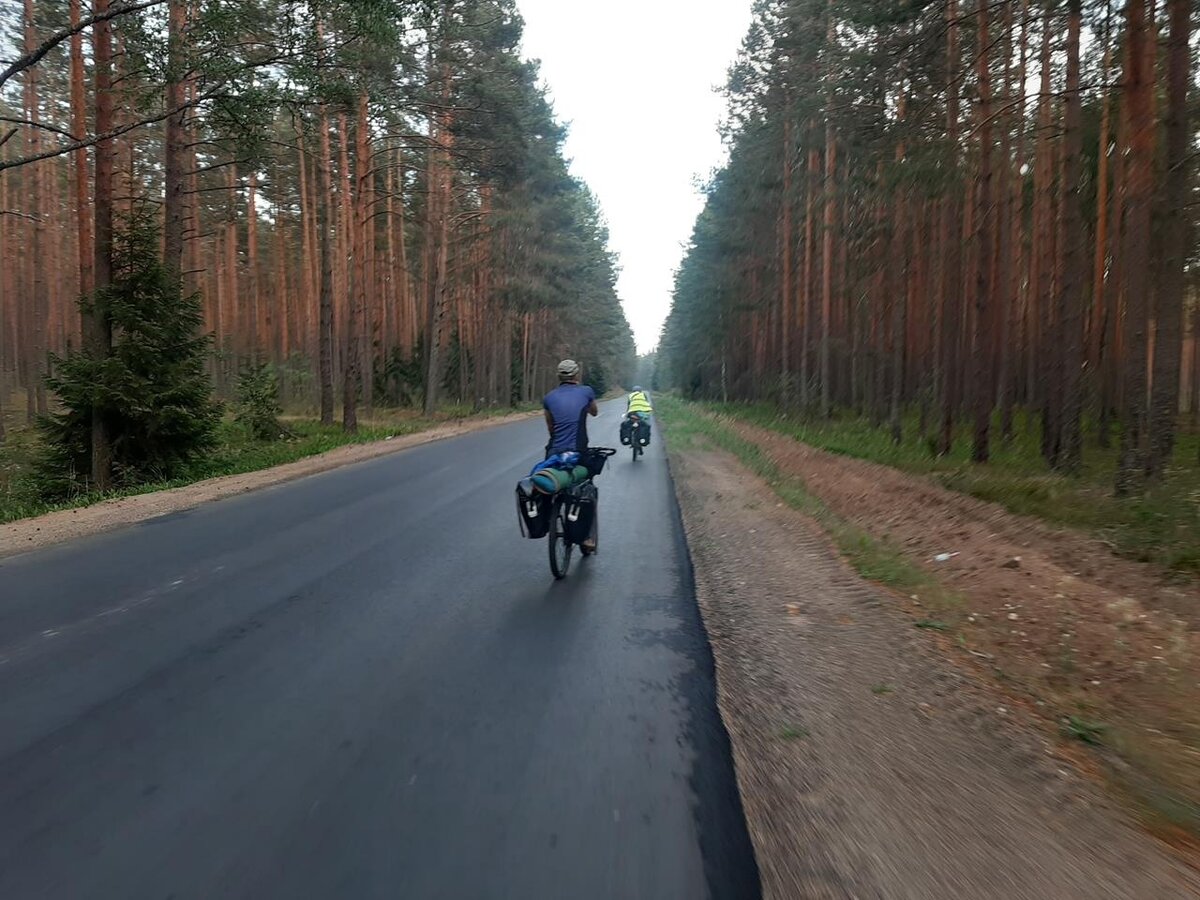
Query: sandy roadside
869	766
53	528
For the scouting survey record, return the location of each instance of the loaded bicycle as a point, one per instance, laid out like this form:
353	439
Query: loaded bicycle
558	500
635	436
635	433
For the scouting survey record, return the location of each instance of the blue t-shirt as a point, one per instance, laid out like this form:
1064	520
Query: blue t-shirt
568	407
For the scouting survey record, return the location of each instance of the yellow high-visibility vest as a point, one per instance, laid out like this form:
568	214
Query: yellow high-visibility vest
639	403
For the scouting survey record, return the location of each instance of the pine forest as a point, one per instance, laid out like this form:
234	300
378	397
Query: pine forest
369	199
961	219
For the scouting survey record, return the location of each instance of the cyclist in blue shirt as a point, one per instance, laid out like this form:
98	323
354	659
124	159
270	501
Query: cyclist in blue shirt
567	408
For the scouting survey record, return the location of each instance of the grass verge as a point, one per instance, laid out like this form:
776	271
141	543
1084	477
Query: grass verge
1162	526
874	559
236	453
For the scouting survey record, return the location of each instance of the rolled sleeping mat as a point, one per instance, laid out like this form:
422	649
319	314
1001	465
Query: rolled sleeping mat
551	481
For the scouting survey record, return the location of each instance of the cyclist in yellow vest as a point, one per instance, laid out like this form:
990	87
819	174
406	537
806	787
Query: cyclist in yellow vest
637	407
639	402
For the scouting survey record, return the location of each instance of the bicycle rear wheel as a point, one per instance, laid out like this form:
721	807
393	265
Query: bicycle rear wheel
560	546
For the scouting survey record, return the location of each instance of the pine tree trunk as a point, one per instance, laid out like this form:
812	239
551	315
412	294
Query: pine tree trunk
809	275
310	275
896	301
897	296
1196	368
434	275
97	328
1071	288
827	262
345	230
1114	292
1042	359
1016	231
353	375
6	293
83	222
984	394
1099	319
235	324
254	305
785	249
176	140
408	297
390	298
192	246
1175	233
37	294
1138	91
442	135
950	275
325	313
368	293
287	290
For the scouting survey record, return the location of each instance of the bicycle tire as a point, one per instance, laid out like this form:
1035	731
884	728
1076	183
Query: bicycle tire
558	543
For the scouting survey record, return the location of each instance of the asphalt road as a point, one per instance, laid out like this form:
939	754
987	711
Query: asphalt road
366	684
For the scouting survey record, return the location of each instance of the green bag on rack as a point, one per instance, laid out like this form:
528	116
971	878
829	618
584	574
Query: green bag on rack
551	481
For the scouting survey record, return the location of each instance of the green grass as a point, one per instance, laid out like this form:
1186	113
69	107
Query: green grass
1083	730
1162	526
236	453
931	624
876	560
881	690
793	732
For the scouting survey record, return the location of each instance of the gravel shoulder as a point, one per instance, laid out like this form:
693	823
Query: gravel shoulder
871	765
35	533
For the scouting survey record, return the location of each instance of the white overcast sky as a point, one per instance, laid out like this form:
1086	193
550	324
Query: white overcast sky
634	81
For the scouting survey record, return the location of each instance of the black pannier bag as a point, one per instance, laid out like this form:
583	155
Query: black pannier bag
580	508
626	429
644	433
533	511
594	460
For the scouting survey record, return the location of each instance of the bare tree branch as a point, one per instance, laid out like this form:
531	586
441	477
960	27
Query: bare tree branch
29	123
34	56
109	135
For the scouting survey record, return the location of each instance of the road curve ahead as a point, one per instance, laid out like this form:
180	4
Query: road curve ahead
366	684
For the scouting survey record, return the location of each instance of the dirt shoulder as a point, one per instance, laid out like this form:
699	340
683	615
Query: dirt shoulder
64	525
1090	642
871	764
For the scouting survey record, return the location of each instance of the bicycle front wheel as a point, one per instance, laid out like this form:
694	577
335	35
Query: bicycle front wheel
560	546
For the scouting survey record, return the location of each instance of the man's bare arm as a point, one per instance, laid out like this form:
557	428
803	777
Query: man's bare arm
593	409
549	423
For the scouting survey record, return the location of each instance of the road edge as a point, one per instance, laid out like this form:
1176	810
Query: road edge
749	881
47	530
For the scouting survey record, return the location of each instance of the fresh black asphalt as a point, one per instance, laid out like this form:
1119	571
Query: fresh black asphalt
366	684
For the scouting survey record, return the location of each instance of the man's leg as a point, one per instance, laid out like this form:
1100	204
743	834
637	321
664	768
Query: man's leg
590	544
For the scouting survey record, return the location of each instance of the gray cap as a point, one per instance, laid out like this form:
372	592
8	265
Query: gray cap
568	369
